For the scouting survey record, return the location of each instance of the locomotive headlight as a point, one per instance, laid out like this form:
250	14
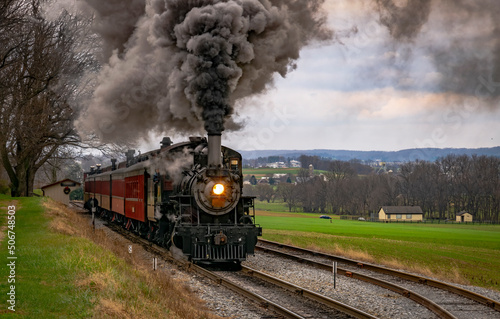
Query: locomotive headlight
218	189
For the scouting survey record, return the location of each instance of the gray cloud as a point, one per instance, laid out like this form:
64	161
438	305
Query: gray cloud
460	37
179	65
404	22
116	21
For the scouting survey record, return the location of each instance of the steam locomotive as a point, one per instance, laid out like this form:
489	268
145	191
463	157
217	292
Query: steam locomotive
186	195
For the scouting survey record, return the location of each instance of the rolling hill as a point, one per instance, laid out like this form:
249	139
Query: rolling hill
428	154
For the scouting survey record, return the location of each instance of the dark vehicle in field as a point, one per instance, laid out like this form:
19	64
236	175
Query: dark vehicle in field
186	195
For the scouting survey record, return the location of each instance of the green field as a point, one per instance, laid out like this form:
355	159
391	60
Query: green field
259	172
459	253
60	272
44	284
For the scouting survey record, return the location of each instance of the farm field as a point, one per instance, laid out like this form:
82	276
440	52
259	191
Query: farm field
260	172
467	254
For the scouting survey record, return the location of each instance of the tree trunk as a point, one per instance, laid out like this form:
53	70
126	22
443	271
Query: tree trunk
24	180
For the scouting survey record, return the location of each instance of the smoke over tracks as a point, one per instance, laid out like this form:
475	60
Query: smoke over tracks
172	65
182	65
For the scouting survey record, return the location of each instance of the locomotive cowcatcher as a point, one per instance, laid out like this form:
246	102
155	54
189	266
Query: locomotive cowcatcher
186	195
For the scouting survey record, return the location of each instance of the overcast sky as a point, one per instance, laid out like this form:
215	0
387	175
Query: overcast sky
398	74
373	93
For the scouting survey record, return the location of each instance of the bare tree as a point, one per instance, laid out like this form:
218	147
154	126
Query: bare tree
37	89
265	192
61	165
289	193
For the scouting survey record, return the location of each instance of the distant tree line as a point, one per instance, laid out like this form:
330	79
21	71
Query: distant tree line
442	188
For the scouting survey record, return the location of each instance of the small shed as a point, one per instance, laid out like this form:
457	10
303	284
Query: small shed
464	217
400	213
60	190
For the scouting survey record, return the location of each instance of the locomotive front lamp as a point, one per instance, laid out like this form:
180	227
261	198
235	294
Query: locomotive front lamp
218	189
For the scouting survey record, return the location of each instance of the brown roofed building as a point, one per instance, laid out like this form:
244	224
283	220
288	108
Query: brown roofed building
400	213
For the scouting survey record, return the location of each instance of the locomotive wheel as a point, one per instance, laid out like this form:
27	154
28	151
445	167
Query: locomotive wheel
121	220
143	230
151	233
167	242
177	241
157	238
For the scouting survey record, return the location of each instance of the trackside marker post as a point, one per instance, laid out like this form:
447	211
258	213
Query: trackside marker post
93	216
334	275
155	263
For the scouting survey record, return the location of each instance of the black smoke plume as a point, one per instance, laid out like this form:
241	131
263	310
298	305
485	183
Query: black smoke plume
115	22
182	65
404	22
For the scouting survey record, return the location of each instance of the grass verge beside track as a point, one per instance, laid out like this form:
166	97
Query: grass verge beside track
466	254
62	273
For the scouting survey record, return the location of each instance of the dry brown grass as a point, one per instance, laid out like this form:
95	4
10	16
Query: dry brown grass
452	274
127	288
110	309
99	281
445	274
353	254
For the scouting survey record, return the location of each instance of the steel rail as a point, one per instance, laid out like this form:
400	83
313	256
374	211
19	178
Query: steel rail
309	294
427	303
422	280
149	246
266	303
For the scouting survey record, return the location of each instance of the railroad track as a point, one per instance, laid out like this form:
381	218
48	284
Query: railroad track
307	309
421	289
297	302
254	285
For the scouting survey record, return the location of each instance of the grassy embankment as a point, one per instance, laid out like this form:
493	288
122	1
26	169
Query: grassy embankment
62	273
468	254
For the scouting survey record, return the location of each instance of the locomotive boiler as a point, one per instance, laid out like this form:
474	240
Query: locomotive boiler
186	195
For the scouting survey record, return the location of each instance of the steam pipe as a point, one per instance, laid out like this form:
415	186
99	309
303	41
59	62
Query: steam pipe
214	150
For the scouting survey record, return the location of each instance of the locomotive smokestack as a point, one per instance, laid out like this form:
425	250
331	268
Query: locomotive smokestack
214	150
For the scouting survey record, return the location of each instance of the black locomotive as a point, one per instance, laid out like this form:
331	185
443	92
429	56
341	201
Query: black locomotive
187	195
